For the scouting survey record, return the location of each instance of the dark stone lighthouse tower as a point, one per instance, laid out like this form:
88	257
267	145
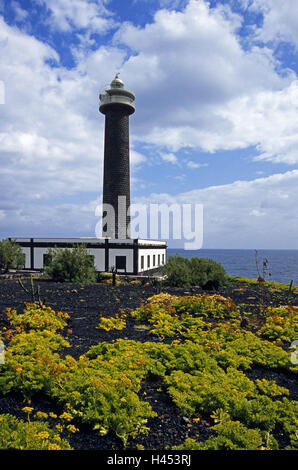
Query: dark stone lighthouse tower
117	105
115	249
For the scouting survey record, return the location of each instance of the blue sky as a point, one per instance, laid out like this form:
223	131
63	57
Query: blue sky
215	123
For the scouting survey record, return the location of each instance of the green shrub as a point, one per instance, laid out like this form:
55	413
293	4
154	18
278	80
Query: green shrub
232	346
206	392
203	272
21	435
214	306
31	363
99	393
11	255
36	317
103	276
203	373
281	324
232	435
177	271
172	315
207	273
71	265
271	285
112	323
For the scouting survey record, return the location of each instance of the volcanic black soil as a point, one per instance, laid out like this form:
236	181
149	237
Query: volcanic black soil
84	304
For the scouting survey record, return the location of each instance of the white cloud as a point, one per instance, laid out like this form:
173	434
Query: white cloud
269	120
20	14
194	165
280	20
61	220
51	131
246	214
257	213
188	71
81	14
136	158
51	136
169	158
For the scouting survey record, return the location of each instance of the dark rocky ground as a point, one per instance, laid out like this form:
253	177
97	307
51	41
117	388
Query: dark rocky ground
84	304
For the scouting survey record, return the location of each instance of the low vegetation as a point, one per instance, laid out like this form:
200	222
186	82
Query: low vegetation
27	435
203	366
203	272
11	255
70	265
272	285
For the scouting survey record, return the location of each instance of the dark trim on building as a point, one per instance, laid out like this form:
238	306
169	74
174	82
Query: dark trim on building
155	247
31	253
103	245
131	246
106	246
135	256
59	244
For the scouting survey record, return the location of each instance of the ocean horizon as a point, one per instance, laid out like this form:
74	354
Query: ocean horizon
282	264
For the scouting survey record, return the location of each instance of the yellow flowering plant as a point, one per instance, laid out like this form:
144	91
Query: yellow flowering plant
230	435
98	393
172	315
37	317
30	435
112	323
281	323
202	368
31	363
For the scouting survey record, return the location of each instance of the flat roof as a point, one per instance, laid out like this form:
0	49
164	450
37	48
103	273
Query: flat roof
93	240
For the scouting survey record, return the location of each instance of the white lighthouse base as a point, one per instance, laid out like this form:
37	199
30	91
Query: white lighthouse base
129	256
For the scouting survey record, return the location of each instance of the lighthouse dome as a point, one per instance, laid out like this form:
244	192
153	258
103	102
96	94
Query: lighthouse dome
117	95
117	83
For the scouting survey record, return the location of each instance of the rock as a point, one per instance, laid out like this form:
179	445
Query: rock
244	321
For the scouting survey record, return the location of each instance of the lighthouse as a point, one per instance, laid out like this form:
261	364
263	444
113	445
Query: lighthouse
117	105
113	249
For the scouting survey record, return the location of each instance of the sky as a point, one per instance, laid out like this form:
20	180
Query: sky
216	120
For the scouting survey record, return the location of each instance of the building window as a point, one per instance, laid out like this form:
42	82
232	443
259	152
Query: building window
142	262
121	262
163	259
158	260
153	260
148	261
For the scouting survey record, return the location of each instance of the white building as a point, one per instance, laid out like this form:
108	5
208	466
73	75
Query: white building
129	256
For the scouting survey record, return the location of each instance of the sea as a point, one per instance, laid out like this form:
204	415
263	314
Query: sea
281	264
